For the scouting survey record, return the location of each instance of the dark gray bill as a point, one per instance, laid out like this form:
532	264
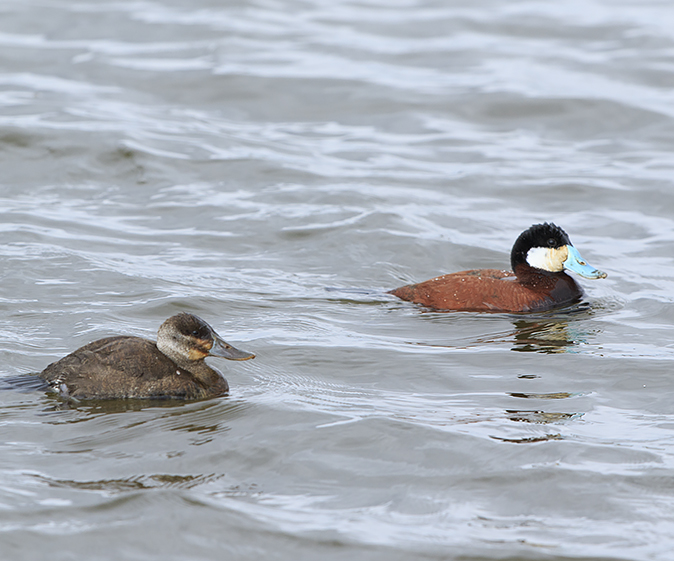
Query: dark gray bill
225	350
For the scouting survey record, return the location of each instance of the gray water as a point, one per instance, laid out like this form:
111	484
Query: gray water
276	166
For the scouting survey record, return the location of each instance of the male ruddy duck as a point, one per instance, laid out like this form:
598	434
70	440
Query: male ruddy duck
132	367
536	283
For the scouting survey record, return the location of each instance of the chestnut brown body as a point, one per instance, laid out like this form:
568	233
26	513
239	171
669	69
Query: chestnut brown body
493	290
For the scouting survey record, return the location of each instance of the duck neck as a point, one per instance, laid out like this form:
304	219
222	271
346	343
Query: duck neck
204	374
523	269
518	261
209	377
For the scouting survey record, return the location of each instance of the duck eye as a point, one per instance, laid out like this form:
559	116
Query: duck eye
552	242
195	333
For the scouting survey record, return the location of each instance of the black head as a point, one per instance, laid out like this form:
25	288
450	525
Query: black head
548	236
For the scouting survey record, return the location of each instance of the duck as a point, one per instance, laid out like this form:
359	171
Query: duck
537	282
124	367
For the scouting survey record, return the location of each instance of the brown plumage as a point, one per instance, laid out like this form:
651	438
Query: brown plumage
536	283
132	367
491	290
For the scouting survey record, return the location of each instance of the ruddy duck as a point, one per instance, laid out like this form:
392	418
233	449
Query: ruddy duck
132	367
536	283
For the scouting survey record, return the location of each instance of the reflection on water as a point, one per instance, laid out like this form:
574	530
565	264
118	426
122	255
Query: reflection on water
201	420
541	417
543	334
233	159
529	440
556	395
561	331
92	408
550	336
150	481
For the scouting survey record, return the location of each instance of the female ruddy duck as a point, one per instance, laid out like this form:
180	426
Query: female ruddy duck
536	283
132	367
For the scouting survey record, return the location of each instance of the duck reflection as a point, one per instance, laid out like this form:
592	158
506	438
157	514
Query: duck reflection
93	408
540	416
133	483
548	336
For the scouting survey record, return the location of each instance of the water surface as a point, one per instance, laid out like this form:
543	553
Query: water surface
275	167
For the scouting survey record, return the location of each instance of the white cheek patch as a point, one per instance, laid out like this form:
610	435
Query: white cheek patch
537	257
548	258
